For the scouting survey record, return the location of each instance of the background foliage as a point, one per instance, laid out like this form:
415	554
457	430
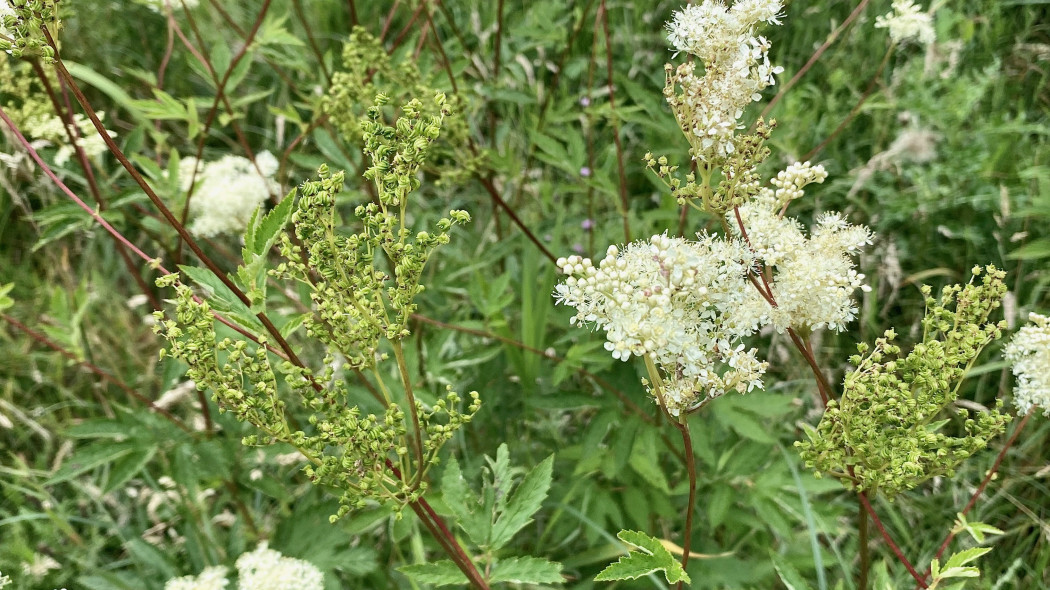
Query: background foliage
548	162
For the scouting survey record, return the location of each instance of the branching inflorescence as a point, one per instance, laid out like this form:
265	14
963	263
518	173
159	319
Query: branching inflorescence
362	287
886	433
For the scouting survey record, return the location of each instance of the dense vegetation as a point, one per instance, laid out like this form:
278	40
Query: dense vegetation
550	108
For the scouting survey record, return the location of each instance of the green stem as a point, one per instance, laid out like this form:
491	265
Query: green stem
862	546
417	434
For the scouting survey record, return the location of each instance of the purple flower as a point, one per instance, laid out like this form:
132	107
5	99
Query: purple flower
585	101
587	224
577	248
585	172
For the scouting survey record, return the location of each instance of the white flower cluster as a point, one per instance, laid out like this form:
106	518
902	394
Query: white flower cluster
51	129
262	569
683	303
212	578
813	279
4	580
907	22
736	69
266	569
227	191
1029	351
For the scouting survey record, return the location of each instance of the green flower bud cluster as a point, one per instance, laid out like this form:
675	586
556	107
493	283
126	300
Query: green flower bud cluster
739	183
885	433
21	30
362	287
370	71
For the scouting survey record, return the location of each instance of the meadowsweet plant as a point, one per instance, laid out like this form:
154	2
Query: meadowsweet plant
886	433
688	306
362	289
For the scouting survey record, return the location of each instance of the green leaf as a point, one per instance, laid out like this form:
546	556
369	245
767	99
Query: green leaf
526	570
90	457
128	467
263	229
438	573
221	298
789	576
464	504
527	499
1033	250
647	556
645	460
5	301
953	568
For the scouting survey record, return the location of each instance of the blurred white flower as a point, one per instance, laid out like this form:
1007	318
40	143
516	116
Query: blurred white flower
212	578
50	128
39	566
907	22
1029	352
161	6
266	569
227	191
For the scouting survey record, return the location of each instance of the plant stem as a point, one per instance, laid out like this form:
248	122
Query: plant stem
889	540
690	462
410	398
984	484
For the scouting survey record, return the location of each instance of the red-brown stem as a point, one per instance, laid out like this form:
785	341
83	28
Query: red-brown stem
101	374
603	17
181	229
984	484
856	108
318	54
72	134
889	540
690	464
813	59
444	536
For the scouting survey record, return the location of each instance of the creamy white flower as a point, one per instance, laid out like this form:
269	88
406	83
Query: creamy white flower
4	580
212	578
907	22
813	278
685	304
736	69
162	6
1029	352
50	129
266	569
227	191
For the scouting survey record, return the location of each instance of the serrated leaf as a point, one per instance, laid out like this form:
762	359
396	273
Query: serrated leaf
438	573
270	225
526	501
966	556
526	570
651	556
464	504
221	298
